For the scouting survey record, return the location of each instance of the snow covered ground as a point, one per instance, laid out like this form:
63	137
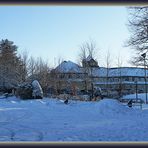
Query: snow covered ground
53	121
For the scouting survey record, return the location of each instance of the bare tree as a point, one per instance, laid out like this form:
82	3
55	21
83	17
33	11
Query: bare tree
24	65
42	72
108	65
82	57
120	82
87	49
55	80
87	56
138	26
83	54
39	70
31	66
92	49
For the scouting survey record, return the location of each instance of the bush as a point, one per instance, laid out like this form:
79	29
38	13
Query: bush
37	90
24	91
30	91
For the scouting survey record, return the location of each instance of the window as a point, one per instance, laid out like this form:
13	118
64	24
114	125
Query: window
142	79
61	76
126	78
69	76
133	79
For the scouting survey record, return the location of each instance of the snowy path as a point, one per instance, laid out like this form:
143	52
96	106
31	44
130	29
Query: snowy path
52	120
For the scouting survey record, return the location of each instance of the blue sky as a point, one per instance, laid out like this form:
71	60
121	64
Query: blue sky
54	32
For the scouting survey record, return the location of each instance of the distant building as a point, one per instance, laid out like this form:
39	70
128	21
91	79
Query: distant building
68	76
120	81
112	81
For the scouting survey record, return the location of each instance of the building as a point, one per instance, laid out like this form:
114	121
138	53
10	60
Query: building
68	76
112	81
121	80
89	62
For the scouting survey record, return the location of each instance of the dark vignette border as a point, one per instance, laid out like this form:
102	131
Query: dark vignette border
73	2
75	144
77	3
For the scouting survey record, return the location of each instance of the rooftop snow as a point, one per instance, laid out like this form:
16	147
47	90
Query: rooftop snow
123	71
68	66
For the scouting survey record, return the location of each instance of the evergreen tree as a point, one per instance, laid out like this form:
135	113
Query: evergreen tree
10	65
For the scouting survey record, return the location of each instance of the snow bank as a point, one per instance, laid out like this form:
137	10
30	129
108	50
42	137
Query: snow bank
50	119
112	107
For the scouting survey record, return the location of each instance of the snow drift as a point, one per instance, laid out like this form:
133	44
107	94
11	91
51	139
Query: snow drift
52	120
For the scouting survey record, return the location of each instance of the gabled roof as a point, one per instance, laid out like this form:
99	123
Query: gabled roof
68	66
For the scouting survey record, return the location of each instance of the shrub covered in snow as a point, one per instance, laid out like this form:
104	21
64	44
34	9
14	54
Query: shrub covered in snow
24	91
30	90
37	90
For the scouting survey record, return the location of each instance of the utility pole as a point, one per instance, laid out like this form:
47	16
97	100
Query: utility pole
136	90
144	56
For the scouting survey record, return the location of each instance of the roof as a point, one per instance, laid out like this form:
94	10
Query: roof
71	67
68	66
121	71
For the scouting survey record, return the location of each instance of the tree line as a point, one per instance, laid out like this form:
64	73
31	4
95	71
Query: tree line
17	68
